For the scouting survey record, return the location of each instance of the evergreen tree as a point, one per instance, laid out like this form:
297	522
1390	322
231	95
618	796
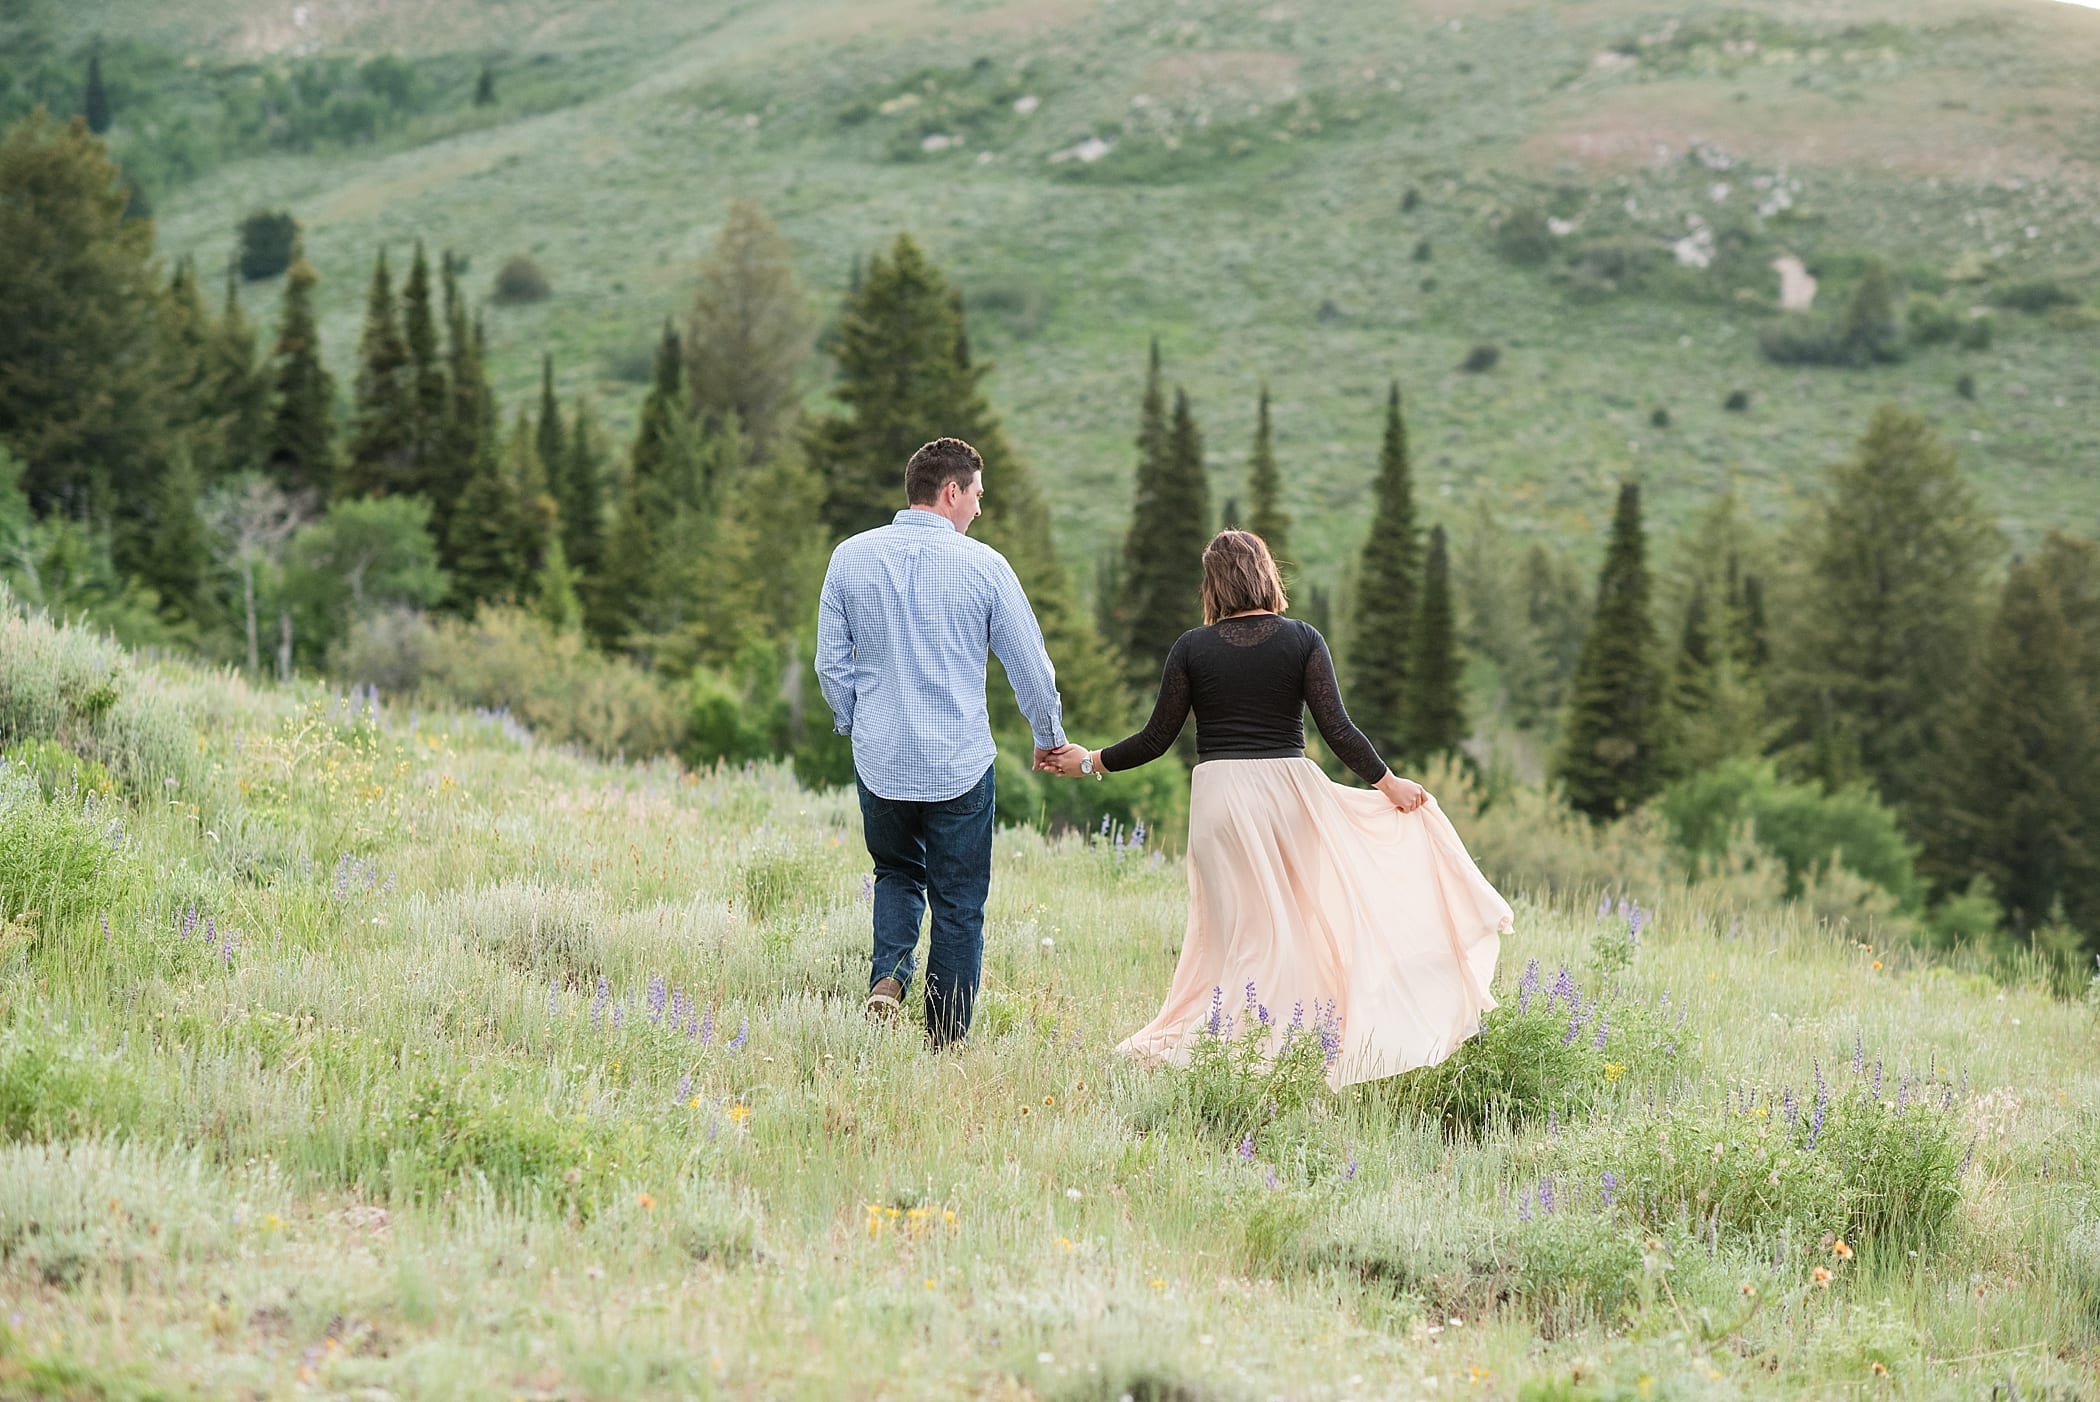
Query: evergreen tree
95	104
1432	713
1881	638
581	495
82	380
1166	575
1609	762
177	549
554	596
1146	522
468	411
549	437
661	456
429	398
2016	801
485	86
236	393
1265	515
619	590
492	529
751	329
1752	643
381	441
302	455
1379	637
1869	332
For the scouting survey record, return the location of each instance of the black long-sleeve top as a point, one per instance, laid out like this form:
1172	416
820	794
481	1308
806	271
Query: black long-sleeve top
1250	681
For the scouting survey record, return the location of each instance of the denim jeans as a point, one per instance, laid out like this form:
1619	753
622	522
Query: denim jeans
938	854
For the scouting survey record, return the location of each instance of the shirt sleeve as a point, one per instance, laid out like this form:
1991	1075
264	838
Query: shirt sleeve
1324	699
835	673
1017	641
1169	713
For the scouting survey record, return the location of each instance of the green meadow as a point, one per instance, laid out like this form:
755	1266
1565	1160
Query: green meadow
351	1050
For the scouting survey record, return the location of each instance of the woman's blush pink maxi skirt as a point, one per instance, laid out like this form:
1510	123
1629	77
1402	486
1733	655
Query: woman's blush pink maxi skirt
1328	904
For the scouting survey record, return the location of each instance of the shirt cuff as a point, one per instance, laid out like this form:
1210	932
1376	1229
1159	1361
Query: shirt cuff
1056	742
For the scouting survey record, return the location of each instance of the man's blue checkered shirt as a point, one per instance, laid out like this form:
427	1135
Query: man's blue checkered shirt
907	615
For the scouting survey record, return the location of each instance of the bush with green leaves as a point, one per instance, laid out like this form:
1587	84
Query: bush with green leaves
2034	296
58	854
55	1086
269	238
521	280
1807	829
1249	1069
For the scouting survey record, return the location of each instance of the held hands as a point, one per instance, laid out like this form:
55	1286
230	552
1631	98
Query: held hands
1051	761
1406	794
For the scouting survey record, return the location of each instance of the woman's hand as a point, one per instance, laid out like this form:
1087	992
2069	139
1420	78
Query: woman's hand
1406	794
1066	761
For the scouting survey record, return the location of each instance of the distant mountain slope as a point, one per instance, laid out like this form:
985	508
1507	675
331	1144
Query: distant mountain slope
1323	194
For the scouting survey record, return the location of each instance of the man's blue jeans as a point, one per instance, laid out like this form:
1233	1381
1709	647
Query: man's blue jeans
938	854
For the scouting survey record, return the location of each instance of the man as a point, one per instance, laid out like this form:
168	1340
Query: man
903	623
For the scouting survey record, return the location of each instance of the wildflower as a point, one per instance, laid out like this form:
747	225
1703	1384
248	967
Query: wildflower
1270	1178
1749	1291
1822	1277
1603	907
1613	1070
1217	1009
645	1202
1524	1208
1563	988
1247	1147
1546	1194
1074	1194
1841	1250
1879	1369
658	995
1158	1284
739	1113
1859	1053
1608	1189
1477	1375
1603	1030
1877	969
1064	1241
1349	1169
1528	985
743	1035
1049	1100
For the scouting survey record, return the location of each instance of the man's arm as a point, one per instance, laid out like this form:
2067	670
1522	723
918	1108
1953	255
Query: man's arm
1017	641
835	656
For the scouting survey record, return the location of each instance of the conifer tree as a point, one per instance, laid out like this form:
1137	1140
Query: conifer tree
1609	761
750	334
581	495
491	531
1892	603
380	437
1432	712
661	459
1380	641
302	455
177	548
2016	801
1166	579
464	441
548	436
619	590
95	104
1265	514
429	396
1146	522
236	393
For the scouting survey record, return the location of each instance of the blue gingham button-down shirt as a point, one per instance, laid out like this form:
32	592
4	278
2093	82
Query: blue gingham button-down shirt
906	617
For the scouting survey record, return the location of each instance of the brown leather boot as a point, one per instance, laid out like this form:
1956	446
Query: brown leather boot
885	1000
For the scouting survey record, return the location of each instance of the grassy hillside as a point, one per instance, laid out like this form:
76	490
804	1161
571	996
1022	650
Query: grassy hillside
348	1051
1270	176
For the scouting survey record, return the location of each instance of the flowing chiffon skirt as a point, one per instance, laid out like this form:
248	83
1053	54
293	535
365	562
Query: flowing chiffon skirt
1310	899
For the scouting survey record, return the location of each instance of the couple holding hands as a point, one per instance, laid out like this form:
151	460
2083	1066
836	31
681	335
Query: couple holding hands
1360	906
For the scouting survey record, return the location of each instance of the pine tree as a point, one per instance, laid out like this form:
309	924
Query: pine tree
1432	712
1876	648
1166	579
490	534
581	495
1609	761
302	455
96	102
1265	514
620	588
177	549
751	330
380	436
1146	522
236	393
463	443
2016	800
429	396
549	437
1380	641
660	457
1869	333
485	86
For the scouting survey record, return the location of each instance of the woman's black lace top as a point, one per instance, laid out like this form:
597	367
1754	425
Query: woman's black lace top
1250	681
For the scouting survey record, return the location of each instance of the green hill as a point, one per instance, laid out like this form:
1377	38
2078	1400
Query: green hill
361	1050
1325	195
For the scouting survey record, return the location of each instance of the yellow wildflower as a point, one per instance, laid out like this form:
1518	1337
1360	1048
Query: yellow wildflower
1614	1069
1841	1250
740	1113
647	1203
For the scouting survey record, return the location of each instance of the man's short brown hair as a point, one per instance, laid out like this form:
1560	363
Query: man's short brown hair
934	466
1240	576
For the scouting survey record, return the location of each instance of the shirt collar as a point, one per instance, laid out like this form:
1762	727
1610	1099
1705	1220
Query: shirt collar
911	517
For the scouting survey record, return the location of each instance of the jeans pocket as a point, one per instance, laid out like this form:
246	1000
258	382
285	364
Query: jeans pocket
971	800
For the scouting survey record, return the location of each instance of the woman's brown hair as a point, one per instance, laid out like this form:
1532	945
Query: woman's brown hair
1239	576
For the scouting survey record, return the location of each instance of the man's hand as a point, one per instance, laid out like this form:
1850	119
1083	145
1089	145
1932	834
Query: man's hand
1047	760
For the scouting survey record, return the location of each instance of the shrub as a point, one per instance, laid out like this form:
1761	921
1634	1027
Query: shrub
269	238
57	854
1660	418
1523	235
1930	322
1423	252
1965	385
1737	402
520	280
1481	358
721	725
1249	1069
1977	333
1807	829
68	685
58	1089
2039	295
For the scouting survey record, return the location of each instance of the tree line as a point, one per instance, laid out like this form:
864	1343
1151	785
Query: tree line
170	470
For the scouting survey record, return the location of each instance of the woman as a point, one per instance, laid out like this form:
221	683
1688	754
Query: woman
1309	902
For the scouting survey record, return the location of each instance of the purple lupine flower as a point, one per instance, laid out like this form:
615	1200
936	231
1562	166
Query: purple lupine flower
1603	907
1524	1208
743	1035
1563	988
1877	1078
106	932
1217	1009
1608	1189
1527	986
1269	1177
1903	1095
1247	1147
685	1088
211	930
598	1002
1262	1012
1329	1026
1546	1194
1252	997
1298	1015
1104	824
692	1027
1349	1169
1815	1126
867	887
1603	1029
226	949
1969	1157
707	1029
658	996
619	1014
1859	1053
1137	834
676	1012
1788	1108
1947	1100
1634	920
189	923
553	999
1574	1028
